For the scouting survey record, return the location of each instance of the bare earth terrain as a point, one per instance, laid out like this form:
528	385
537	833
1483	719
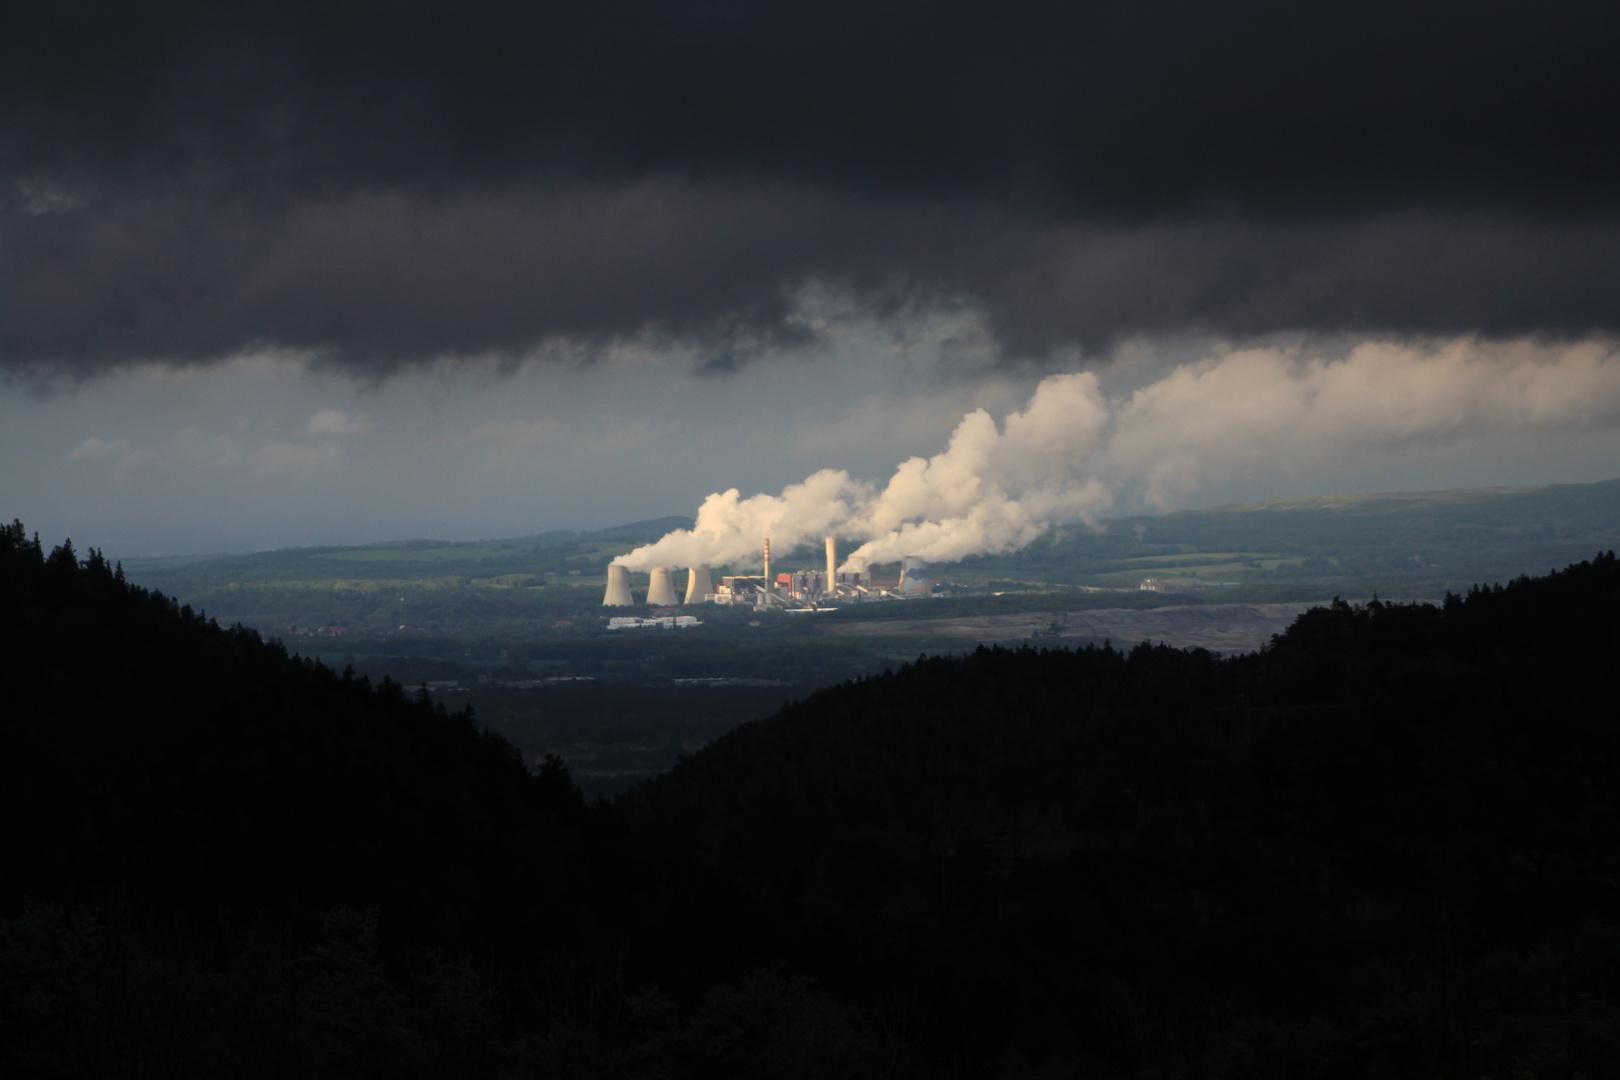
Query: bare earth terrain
1220	628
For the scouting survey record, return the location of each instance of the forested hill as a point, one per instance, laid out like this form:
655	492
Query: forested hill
947	739
222	859
1330	858
153	754
1384	846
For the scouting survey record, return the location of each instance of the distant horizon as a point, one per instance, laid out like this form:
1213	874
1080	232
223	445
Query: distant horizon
671	518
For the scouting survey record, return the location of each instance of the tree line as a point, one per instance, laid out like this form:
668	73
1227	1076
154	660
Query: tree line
1385	845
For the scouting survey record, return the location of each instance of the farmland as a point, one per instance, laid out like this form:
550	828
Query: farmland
475	616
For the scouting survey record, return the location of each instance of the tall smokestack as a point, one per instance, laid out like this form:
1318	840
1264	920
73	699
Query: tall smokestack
769	584
698	585
618	589
832	566
662	589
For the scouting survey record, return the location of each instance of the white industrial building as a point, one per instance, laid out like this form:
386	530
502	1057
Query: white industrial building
667	622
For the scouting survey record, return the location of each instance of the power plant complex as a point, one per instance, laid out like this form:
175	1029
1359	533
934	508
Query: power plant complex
800	590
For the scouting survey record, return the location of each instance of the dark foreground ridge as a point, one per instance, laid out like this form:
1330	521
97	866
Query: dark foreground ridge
1386	845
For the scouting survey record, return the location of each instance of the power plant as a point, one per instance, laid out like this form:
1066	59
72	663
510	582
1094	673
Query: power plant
800	590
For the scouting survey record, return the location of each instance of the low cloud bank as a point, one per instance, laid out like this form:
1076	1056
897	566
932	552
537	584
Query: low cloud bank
1072	454
376	283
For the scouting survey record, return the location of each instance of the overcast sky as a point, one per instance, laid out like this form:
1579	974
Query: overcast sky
310	273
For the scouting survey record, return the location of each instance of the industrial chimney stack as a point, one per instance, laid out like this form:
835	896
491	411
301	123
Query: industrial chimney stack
618	588
832	566
698	585
662	589
770	586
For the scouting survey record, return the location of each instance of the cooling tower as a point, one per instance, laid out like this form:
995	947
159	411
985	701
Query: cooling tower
662	589
618	590
914	576
832	565
698	585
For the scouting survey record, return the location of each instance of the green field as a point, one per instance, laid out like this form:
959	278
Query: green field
1297	548
1415	544
527	608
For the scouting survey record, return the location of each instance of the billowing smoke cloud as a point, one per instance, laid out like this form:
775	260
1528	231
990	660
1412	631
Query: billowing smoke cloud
1279	412
1072	454
990	489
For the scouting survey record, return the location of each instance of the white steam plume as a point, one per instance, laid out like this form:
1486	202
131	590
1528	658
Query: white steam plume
1068	454
1271	410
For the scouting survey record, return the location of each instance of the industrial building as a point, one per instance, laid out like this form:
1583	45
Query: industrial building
799	589
667	622
795	591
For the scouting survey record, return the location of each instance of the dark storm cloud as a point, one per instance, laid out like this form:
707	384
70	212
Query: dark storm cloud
394	181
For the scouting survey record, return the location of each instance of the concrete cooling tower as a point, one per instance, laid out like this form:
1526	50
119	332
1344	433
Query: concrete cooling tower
662	589
698	585
618	589
914	577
